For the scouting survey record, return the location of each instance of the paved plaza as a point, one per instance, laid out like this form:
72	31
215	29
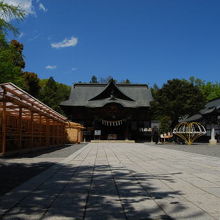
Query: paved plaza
120	181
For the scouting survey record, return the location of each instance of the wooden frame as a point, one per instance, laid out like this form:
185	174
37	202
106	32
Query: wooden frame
26	123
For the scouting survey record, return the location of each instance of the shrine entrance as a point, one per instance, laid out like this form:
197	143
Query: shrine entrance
112	122
113	132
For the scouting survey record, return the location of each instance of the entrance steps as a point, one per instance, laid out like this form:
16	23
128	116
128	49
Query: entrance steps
112	141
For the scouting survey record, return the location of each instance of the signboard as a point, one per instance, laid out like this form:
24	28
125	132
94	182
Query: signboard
97	132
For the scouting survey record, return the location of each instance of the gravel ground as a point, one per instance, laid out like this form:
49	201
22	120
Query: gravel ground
204	149
18	169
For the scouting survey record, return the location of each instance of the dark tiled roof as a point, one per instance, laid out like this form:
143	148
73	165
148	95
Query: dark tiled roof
209	108
84	94
214	103
195	117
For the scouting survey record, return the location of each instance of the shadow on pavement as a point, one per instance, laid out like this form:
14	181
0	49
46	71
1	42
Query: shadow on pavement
13	174
35	153
92	193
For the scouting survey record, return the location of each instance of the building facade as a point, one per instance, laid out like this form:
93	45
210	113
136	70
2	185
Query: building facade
209	116
110	111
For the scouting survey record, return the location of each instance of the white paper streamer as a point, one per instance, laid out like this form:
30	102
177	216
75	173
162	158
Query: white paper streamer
112	123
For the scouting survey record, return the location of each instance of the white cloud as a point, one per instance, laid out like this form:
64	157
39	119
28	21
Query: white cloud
26	5
21	35
74	69
42	7
66	43
36	36
49	67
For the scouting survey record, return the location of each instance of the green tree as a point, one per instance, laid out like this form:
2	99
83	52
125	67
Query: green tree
32	83
52	93
127	81
93	79
11	62
209	89
165	124
154	89
196	81
8	12
176	99
18	50
48	93
63	92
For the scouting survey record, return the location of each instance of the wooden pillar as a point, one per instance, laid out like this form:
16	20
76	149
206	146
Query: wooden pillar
20	128
52	133
56	133
47	133
4	125
63	133
41	130
32	129
59	133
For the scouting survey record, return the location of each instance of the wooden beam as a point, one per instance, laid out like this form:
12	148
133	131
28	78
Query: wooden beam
38	104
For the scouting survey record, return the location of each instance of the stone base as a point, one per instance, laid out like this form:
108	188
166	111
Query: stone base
212	141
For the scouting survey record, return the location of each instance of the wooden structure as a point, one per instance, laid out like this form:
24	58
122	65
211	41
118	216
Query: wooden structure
74	132
27	123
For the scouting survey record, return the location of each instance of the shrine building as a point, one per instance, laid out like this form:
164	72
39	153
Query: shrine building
110	111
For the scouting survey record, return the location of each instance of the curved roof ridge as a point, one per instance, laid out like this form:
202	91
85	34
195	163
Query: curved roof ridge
103	94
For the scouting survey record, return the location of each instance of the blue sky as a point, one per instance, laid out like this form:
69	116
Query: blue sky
146	41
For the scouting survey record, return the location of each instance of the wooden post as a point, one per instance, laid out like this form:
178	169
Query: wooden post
47	132
60	134
56	134
52	133
20	128
4	121
32	129
41	130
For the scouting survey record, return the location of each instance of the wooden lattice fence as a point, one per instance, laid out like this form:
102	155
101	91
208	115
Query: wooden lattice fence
27	123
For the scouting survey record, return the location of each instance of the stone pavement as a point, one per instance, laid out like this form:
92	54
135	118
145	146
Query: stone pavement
16	169
120	181
198	148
